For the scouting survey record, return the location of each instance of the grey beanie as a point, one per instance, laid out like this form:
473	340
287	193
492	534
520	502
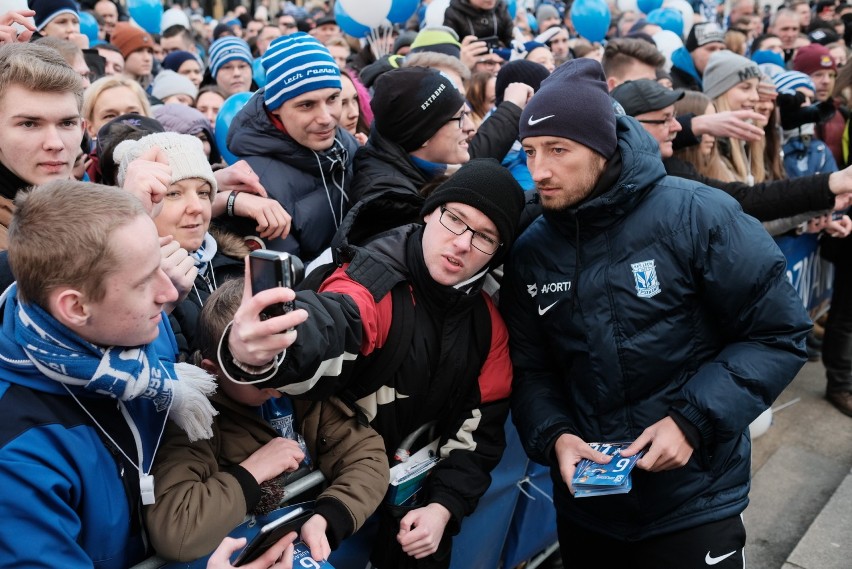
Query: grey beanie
168	83
573	103
185	152
726	69
546	11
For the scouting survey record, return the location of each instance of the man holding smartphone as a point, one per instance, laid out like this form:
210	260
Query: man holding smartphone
415	291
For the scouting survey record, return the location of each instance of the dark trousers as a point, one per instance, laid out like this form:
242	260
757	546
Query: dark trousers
837	342
719	545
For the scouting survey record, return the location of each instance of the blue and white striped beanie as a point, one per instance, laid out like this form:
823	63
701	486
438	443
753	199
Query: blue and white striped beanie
297	64
228	49
788	81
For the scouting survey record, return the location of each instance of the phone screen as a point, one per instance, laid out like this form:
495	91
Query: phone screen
271	533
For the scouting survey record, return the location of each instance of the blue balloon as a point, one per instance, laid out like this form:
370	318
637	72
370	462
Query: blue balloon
648	6
258	73
401	10
512	6
668	19
591	19
88	26
229	110
346	23
146	13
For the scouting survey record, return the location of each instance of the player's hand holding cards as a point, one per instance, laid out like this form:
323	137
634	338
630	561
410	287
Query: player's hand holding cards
593	479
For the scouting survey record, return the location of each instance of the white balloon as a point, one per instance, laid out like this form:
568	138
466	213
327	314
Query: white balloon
685	8
627	6
370	13
435	13
667	42
761	424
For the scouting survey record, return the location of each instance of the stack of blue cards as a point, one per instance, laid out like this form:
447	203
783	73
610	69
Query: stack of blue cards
593	479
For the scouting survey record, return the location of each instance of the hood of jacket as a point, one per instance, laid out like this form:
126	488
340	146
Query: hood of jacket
641	168
682	60
252	133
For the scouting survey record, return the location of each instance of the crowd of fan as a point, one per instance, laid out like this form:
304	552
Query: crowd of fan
338	145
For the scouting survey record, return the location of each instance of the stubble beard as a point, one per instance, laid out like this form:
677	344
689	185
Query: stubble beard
576	192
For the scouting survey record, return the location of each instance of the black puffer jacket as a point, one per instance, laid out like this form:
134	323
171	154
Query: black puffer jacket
655	297
467	20
312	186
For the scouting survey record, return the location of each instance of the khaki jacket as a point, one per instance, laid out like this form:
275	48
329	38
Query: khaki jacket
201	491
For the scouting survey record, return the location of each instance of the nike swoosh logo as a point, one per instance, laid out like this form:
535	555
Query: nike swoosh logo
541	310
714	560
533	122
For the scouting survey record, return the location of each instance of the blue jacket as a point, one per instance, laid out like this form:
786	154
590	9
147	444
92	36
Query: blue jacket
803	158
683	72
656	296
67	499
312	186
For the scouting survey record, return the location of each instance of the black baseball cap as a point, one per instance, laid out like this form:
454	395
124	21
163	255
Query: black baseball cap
644	95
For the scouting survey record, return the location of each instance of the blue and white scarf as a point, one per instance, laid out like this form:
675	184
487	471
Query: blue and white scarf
204	254
122	373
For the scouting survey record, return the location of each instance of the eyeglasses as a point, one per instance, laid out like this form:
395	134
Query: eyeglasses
480	241
460	118
667	120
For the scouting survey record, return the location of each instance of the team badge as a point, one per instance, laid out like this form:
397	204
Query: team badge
532	289
645	277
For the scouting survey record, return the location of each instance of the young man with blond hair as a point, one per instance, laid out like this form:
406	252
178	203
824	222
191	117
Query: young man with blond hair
40	124
85	391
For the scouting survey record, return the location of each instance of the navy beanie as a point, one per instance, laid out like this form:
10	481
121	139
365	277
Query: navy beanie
175	59
573	103
411	104
297	64
485	184
519	71
46	10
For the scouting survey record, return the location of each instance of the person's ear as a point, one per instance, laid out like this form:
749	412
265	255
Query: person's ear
210	367
611	83
70	307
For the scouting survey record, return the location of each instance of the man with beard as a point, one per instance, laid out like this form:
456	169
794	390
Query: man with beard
647	309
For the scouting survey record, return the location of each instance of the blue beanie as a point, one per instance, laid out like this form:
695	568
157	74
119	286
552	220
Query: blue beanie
227	49
766	56
47	10
175	59
589	118
788	81
297	64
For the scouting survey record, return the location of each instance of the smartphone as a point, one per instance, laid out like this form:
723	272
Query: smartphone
271	533
493	42
271	269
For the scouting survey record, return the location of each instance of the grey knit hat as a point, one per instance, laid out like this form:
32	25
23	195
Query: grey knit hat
726	69
185	152
168	83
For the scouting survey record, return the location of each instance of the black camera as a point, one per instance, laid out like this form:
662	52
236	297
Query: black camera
272	269
493	42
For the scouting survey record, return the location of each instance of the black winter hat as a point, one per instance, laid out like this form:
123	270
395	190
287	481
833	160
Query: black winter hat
485	184
519	71
573	103
412	104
